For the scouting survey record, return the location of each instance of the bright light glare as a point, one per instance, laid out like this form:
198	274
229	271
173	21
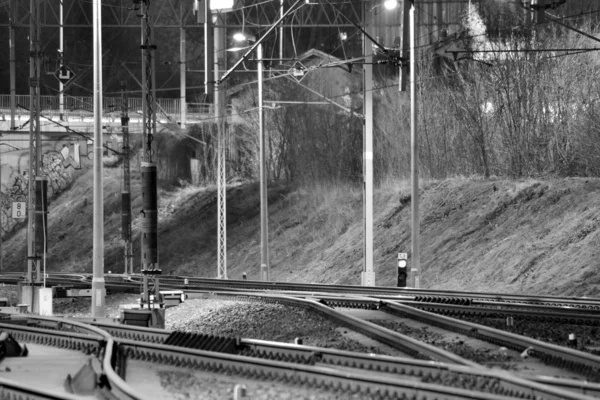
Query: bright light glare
390	4
221	4
239	37
343	36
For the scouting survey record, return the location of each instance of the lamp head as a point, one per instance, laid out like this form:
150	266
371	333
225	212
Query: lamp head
390	4
242	37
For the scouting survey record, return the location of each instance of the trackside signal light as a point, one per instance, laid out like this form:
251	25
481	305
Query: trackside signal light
402	269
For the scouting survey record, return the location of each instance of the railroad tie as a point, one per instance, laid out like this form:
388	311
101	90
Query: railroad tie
197	341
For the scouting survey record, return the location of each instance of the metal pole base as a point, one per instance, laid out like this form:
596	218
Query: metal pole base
367	278
264	272
417	278
98	298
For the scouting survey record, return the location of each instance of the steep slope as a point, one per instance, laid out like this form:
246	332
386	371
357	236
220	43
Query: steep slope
531	236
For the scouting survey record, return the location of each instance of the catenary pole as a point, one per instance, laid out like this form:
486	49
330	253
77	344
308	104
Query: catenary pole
150	271
182	77
61	97
264	213
12	67
368	274
220	117
98	285
281	31
414	156
126	193
34	245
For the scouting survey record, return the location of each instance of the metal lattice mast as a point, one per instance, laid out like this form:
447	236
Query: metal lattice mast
222	200
149	230
126	193
33	256
220	90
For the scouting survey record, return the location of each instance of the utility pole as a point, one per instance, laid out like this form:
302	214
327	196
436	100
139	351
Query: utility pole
220	117
98	285
264	198
12	67
1	229
205	17
281	13
151	298
36	194
220	101
414	159
182	69
61	87
368	274
126	193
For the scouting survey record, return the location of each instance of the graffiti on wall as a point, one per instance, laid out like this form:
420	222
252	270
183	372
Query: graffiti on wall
73	152
58	165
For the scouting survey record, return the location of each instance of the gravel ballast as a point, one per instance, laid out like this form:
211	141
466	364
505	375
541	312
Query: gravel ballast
276	322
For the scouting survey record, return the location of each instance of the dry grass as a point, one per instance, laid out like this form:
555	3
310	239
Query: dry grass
531	236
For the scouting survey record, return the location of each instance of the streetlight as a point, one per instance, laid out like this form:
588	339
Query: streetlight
408	39
264	250
414	149
390	4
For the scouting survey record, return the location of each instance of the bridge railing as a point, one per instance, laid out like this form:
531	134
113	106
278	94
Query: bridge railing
81	106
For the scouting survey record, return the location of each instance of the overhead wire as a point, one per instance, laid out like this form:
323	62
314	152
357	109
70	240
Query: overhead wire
295	16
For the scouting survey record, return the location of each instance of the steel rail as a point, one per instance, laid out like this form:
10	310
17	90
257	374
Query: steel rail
529	312
417	294
45	333
569	315
396	340
503	383
576	316
423	295
135	333
16	390
112	351
331	379
48	333
497	382
579	361
582	362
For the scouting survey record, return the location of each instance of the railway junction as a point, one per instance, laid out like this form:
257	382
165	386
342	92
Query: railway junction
426	344
121	357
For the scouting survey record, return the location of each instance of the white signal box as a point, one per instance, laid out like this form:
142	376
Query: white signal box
19	210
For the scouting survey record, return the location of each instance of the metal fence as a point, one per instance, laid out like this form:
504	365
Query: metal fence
75	106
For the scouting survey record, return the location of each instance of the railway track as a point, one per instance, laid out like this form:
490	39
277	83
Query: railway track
72	335
564	310
495	301
453	375
559	356
129	344
419	295
338	372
